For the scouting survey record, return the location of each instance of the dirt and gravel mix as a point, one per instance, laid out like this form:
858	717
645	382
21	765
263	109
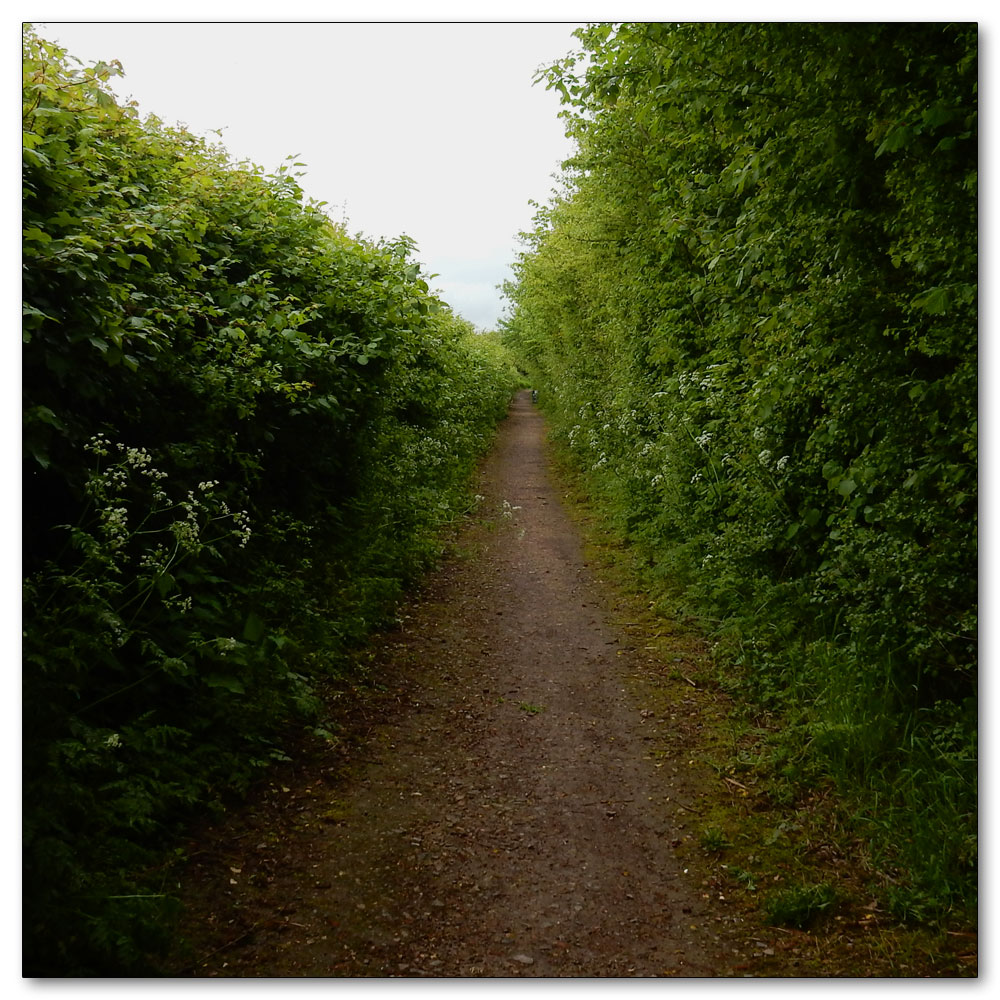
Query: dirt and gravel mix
519	799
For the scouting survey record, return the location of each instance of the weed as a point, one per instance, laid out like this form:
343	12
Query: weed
745	878
799	905
714	840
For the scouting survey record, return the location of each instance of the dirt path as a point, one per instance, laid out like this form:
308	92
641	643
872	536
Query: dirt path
517	808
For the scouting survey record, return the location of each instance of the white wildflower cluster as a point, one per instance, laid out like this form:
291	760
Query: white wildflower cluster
181	604
227	645
115	627
114	523
705	381
113	741
601	462
137	458
656	480
241	521
507	510
187	533
112	488
115	478
704	439
766	456
141	533
432	450
696	478
98	445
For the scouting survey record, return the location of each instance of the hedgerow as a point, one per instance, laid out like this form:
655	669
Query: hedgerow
751	313
244	430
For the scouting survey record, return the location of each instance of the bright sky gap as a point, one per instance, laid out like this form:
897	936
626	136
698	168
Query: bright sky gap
434	130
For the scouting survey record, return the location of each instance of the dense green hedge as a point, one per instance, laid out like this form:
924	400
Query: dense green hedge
243	430
752	314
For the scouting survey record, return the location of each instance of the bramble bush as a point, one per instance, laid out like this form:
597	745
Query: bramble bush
243	432
752	310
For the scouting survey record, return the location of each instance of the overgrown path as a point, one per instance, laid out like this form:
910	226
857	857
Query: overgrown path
517	806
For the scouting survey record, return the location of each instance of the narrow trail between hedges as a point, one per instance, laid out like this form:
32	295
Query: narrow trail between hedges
513	805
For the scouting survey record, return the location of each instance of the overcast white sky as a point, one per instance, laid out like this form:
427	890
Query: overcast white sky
430	129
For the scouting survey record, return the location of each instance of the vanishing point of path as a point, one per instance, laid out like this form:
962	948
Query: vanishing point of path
505	813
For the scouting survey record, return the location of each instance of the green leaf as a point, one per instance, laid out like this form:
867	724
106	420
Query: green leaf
36	315
897	138
934	301
39	160
225	681
253	628
938	115
45	415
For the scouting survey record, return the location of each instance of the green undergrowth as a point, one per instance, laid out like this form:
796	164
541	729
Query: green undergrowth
244	432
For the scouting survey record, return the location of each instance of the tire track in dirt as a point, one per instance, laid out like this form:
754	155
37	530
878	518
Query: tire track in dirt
506	818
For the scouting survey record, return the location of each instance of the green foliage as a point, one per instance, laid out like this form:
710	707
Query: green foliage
751	313
799	906
714	840
243	431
